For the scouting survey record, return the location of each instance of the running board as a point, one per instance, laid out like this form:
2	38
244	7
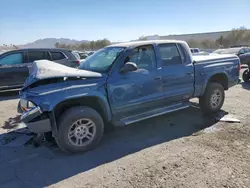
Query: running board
153	113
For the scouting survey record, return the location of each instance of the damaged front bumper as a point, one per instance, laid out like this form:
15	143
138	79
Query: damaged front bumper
36	121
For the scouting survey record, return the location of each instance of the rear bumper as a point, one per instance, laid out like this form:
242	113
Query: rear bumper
35	121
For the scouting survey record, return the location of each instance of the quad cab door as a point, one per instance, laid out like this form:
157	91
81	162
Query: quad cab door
177	73
137	91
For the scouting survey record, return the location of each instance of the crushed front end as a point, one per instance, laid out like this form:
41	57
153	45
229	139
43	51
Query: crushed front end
32	115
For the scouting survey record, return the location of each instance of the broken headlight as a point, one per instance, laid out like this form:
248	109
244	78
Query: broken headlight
26	105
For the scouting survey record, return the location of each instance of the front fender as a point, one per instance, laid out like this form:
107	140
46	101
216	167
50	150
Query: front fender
99	95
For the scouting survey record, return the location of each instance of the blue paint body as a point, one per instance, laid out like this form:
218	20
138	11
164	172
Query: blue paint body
125	95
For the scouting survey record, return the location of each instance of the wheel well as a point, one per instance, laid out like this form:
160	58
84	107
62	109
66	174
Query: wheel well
221	79
93	102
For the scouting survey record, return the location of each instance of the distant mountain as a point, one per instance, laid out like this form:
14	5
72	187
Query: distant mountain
50	43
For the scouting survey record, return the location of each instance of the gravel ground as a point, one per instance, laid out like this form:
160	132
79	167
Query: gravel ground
181	149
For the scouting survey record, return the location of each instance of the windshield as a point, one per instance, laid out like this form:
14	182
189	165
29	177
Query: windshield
227	51
101	60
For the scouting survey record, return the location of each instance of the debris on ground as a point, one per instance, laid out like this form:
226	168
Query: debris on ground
211	129
12	122
227	118
38	140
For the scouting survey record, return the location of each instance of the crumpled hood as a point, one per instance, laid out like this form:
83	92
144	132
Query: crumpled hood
45	69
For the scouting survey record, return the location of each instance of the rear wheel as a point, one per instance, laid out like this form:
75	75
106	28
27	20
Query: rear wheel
246	75
80	129
213	98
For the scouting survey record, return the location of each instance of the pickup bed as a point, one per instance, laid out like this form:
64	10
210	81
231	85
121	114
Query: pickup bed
119	85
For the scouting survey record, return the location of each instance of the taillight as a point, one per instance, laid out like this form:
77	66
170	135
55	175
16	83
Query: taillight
78	62
239	67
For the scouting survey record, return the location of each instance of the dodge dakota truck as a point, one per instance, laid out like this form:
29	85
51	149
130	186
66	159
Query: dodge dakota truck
119	85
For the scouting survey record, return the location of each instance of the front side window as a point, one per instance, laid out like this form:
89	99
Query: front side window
12	59
169	54
102	59
38	55
143	57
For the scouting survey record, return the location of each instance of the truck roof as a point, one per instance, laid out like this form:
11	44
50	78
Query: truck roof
146	42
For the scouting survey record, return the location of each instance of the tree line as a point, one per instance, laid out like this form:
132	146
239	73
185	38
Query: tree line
237	36
92	45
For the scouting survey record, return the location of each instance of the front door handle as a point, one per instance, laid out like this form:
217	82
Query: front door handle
190	74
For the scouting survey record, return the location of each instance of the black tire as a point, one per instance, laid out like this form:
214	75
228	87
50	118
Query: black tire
205	101
68	118
246	76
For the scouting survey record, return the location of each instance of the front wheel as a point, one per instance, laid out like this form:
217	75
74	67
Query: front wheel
213	98
80	129
246	75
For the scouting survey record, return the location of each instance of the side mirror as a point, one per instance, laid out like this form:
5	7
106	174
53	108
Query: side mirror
129	67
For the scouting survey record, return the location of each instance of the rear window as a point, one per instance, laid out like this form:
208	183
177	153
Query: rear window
196	50
57	55
38	55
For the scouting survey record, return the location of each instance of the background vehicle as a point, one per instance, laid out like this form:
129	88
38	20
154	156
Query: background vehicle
194	50
14	65
243	53
82	55
119	85
91	53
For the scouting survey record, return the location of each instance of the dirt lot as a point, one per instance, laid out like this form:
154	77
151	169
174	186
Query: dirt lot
181	149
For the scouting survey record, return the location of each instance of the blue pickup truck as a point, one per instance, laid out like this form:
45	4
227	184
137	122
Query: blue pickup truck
119	85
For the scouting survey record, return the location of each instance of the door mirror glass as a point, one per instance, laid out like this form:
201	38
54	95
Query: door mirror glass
129	67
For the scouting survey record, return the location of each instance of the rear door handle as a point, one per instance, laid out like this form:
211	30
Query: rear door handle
157	78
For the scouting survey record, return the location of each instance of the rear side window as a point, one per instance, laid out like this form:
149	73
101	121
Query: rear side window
169	54
12	59
57	55
38	55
